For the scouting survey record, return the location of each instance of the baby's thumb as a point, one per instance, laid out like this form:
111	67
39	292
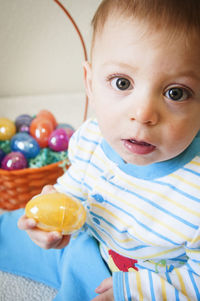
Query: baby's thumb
48	189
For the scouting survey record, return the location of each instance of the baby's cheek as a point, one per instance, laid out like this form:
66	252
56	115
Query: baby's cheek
177	139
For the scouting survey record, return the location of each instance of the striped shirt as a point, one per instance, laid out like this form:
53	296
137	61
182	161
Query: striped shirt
149	214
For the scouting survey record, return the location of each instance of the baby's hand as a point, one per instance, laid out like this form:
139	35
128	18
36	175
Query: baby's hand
45	240
105	291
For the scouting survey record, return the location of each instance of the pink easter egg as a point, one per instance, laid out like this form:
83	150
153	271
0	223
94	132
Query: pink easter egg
67	127
14	161
58	140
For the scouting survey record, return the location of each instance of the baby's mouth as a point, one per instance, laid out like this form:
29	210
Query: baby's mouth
138	147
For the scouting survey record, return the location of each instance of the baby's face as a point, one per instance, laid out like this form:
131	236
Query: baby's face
145	90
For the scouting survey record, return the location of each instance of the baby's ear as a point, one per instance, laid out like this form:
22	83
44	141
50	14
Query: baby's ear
88	79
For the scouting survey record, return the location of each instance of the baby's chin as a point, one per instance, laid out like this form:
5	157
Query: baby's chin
139	161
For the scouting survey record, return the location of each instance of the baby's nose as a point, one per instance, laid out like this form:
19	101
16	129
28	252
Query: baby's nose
145	112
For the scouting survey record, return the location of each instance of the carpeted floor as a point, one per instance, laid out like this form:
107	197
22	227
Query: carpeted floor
16	288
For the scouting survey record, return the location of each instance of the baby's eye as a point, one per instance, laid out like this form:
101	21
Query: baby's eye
177	94
121	83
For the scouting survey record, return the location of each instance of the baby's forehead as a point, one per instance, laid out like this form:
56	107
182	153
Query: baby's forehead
145	30
163	15
129	41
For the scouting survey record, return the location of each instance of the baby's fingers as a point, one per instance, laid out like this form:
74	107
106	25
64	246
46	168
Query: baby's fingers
45	240
25	223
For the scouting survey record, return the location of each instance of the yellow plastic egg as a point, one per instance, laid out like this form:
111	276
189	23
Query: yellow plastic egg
56	212
7	129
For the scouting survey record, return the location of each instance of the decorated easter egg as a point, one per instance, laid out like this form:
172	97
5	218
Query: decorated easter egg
41	129
24	128
56	212
23	120
14	161
58	140
2	155
24	143
67	127
7	129
45	114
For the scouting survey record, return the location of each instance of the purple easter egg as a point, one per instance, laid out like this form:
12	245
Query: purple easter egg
67	127
58	140
24	128
23	119
2	155
14	161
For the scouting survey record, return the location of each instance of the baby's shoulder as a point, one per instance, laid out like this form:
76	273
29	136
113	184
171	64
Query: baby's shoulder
89	129
88	132
86	139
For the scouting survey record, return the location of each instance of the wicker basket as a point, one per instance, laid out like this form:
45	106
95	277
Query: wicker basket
17	187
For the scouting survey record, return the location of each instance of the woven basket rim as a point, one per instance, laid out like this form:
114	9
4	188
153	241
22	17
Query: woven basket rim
29	170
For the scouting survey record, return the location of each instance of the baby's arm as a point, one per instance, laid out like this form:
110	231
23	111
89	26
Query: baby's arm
181	283
45	240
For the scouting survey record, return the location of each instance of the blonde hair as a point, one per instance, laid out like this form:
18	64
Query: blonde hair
177	15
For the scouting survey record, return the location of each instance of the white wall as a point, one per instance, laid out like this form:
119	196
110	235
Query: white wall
40	52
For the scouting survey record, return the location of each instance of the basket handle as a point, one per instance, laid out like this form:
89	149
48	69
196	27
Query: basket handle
83	46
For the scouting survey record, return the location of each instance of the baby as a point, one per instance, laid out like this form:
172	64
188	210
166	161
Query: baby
136	167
